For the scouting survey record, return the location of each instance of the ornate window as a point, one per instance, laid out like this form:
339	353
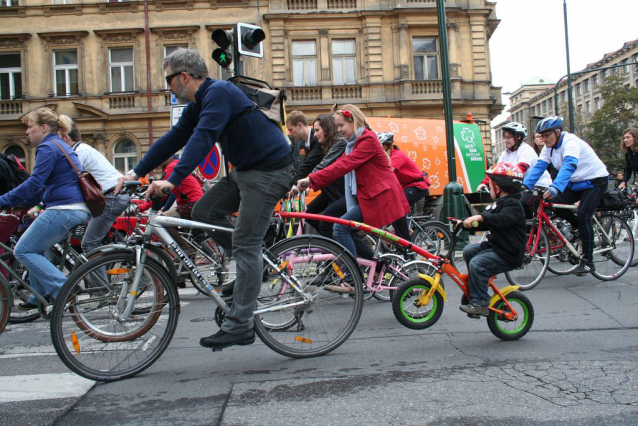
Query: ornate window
124	155
343	62
10	76
426	58
304	63
65	72
122	69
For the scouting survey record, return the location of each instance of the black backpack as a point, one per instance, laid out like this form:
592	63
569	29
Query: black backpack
11	175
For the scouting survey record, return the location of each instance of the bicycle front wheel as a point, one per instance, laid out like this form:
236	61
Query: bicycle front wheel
613	247
311	301
89	328
535	261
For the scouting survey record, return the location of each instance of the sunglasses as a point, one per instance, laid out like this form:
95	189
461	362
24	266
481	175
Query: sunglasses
170	77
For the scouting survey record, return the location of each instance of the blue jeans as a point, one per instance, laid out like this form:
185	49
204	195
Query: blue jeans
343	235
49	228
481	265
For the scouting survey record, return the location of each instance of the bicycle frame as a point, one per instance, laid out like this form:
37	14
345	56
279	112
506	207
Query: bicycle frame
545	221
442	264
157	225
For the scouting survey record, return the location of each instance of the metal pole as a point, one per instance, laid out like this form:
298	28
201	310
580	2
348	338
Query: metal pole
447	90
569	77
236	54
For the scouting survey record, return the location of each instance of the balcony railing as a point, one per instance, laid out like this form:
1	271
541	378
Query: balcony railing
302	4
346	92
122	101
427	87
305	93
342	4
10	107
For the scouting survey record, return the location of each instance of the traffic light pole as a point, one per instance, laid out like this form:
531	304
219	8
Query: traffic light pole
236	54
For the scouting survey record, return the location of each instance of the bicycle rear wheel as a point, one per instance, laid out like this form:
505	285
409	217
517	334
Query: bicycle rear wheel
612	264
87	328
433	237
535	261
301	326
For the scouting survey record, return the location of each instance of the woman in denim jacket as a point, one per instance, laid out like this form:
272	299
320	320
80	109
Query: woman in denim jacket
55	183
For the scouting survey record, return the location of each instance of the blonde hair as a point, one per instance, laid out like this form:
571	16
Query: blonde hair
356	116
634	132
41	116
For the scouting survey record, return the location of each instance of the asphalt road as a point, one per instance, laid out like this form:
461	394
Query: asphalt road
578	365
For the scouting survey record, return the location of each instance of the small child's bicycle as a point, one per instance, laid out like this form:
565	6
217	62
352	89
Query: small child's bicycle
418	303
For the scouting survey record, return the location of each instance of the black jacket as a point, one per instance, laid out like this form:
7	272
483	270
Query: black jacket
311	160
631	165
508	232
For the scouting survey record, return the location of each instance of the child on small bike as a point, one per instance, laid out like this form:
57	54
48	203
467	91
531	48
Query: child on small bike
505	245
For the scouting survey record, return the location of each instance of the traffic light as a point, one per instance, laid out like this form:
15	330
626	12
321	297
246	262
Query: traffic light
250	38
222	54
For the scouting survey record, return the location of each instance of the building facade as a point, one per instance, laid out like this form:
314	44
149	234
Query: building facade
100	62
535	100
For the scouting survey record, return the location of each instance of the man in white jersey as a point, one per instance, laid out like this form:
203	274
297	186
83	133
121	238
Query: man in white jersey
523	155
581	177
106	175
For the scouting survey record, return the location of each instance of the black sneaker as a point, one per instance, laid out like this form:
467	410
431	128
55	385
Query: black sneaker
584	267
222	339
475	310
26	306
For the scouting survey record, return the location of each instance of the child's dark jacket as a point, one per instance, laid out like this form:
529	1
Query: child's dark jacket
508	232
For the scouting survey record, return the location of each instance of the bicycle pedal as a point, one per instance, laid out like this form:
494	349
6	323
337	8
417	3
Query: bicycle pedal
474	316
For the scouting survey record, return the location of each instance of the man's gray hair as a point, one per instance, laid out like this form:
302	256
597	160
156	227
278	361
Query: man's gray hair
188	60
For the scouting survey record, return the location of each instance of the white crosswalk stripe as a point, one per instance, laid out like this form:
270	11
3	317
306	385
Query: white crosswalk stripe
43	386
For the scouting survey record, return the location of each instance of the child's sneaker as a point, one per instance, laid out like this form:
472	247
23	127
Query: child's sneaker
473	309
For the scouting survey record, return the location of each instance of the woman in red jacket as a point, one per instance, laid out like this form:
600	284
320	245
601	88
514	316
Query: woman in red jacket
372	192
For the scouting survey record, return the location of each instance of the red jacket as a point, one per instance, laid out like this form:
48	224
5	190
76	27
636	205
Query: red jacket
378	191
406	170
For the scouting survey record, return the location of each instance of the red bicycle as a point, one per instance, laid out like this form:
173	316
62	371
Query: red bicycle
551	245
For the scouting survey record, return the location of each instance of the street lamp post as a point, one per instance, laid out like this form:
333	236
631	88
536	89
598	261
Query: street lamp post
453	197
569	77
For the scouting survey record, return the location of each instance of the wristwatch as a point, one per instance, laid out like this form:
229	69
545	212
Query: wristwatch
132	173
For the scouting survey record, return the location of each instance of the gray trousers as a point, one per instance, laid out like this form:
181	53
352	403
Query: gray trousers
254	195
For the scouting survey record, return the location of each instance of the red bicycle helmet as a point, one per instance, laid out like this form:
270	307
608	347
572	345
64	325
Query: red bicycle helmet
506	175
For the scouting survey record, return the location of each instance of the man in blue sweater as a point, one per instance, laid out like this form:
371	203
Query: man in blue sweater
218	111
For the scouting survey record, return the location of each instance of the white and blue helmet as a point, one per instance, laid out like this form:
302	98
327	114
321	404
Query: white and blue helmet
550	123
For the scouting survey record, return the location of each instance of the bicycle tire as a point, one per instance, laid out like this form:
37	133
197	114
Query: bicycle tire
129	354
519	327
633	223
612	264
407	309
434	237
20	294
325	320
534	267
4	305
